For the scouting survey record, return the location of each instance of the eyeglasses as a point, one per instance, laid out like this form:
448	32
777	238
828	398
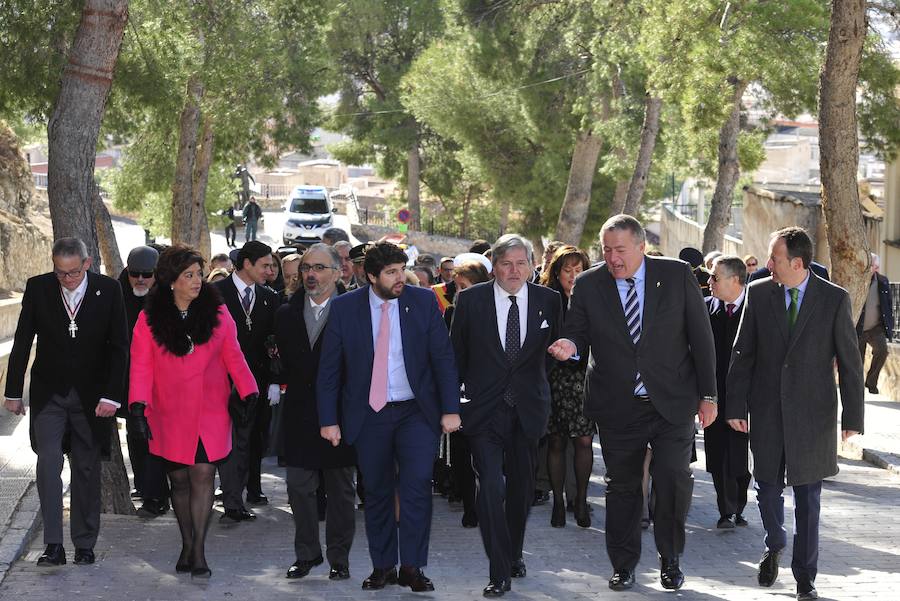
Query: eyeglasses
72	275
752	264
140	274
317	267
714	278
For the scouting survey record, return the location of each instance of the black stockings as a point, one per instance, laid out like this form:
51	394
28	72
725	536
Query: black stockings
556	466
192	500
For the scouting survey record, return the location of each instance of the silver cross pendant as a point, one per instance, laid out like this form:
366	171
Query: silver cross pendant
249	323
73	328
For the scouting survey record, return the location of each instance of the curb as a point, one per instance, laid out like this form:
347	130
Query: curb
24	523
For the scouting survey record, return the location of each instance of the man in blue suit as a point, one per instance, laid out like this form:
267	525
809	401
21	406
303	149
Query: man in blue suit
402	391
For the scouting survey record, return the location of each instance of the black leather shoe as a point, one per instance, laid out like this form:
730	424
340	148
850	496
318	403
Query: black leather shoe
768	568
496	589
152	508
670	575
339	572
201	573
622	580
726	522
582	515
806	591
53	555
741	521
257	499
558	515
379	578
415	579
233	516
84	557
469	519
873	390
184	568
540	497
246	515
301	567
517	569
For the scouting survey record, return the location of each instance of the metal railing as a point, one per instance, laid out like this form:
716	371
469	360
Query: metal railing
895	302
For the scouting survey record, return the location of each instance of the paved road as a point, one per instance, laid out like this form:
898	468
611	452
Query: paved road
860	557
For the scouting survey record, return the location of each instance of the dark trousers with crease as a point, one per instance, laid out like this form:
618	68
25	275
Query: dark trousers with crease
807	503
396	449
64	413
731	491
340	517
502	503
243	467
624	449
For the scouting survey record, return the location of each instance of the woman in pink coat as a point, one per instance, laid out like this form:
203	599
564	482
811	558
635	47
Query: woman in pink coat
183	350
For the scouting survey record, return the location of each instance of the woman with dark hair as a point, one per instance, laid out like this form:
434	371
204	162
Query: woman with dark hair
183	351
567	420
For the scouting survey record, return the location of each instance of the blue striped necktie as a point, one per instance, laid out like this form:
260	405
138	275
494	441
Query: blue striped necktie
633	319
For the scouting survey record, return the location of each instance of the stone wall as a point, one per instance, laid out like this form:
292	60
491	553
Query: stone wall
442	246
677	231
766	211
25	231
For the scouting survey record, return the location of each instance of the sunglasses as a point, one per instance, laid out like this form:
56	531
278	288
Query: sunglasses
141	274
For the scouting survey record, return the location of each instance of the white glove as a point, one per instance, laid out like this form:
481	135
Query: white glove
274	394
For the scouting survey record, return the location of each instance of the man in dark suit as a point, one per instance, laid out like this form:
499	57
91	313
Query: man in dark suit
651	370
252	306
77	383
782	373
500	333
401	391
876	324
726	449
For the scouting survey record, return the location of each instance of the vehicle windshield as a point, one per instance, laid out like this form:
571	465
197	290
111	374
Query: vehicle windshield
309	205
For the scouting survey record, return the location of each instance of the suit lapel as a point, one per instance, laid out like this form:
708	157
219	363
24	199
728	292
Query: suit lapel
534	318
810	299
610	294
405	308
779	311
300	308
651	296
491	327
365	320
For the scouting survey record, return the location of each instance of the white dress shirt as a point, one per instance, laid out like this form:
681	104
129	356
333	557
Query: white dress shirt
398	383
802	288
241	286
502	302
318	308
639	277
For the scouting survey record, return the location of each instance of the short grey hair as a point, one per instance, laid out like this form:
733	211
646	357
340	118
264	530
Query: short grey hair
506	243
343	244
70	247
623	222
331	251
732	265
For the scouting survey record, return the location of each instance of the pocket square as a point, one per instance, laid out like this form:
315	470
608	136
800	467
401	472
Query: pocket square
544	324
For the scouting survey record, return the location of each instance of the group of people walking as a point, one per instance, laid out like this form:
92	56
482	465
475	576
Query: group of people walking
370	377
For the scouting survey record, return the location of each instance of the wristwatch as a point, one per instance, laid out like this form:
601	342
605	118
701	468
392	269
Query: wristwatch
710	399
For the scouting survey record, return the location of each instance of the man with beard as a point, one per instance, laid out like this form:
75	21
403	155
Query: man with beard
149	472
392	406
309	457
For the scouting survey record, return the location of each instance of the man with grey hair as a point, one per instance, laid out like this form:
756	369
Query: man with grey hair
333	235
652	368
309	457
77	383
346	265
876	324
499	332
726	449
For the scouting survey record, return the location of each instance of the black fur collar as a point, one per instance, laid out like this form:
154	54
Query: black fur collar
171	331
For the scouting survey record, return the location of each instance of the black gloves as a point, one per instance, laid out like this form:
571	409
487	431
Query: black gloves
242	411
141	427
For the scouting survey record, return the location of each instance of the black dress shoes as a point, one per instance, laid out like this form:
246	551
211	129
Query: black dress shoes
259	499
582	515
540	497
740	520
726	522
517	569
339	572
246	515
806	591
670	575
301	567
496	589
201	574
768	568
53	555
558	515
622	580
415	579
233	516
84	557
469	519
379	578
152	508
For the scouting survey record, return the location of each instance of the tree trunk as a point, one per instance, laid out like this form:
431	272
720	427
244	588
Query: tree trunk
203	162
106	236
467	209
504	216
412	185
649	131
75	124
619	196
183	184
114	491
726	180
574	210
839	150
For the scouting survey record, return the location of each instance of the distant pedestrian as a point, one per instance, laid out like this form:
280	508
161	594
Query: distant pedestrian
252	214
876	324
230	230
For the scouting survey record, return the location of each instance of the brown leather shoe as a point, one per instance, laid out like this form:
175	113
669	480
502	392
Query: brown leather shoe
379	578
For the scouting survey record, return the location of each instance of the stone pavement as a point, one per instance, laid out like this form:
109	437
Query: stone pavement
860	556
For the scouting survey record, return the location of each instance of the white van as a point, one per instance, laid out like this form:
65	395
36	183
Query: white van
309	213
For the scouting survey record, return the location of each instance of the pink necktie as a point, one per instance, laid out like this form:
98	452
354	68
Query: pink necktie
379	387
